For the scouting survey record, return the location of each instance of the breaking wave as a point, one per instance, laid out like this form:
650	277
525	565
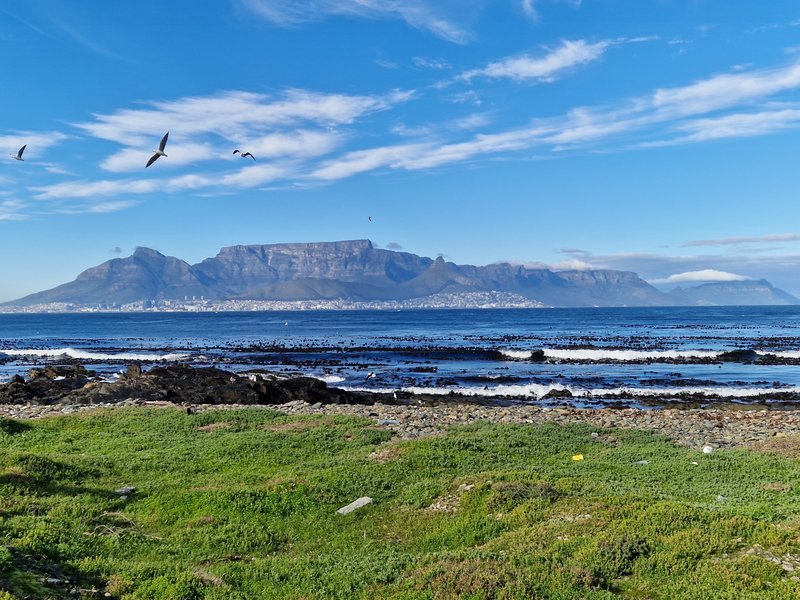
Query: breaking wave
537	391
600	354
84	355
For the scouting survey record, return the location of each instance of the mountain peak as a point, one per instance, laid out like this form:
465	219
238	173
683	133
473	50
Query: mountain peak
145	252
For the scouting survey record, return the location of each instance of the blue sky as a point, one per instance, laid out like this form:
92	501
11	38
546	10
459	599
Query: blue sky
659	136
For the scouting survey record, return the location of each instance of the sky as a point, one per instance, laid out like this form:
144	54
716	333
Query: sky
657	136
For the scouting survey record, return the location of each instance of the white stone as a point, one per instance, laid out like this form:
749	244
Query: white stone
355	505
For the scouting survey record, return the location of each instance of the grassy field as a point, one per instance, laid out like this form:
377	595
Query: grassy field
242	504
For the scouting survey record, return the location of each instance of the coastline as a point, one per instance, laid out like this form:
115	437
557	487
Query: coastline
693	428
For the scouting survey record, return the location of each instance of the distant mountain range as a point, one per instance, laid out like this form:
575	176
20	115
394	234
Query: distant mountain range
357	271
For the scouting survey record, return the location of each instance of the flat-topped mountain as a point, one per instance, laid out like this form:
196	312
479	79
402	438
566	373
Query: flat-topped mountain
353	271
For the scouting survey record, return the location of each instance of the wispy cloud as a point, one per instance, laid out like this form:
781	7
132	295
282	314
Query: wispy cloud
735	241
37	142
237	119
733	126
448	20
13	210
524	67
702	276
235	114
437	64
89	43
529	7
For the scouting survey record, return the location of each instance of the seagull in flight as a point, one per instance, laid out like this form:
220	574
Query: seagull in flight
159	152
244	154
18	155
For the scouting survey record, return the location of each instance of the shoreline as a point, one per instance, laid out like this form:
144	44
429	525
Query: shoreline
694	427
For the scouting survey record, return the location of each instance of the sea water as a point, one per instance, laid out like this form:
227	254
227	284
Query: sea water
593	356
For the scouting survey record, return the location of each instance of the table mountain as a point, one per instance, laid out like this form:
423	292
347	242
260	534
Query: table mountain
350	270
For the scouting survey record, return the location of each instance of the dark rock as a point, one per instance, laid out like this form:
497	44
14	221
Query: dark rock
537	356
554	393
134	371
742	356
180	384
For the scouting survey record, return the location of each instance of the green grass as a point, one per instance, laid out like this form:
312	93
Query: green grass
246	509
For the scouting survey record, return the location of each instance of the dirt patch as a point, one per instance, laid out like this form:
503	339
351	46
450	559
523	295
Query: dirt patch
788	446
215	426
387	453
776	486
299	426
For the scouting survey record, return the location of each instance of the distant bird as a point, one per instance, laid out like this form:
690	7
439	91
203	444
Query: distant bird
244	154
370	375
159	152
18	155
370	219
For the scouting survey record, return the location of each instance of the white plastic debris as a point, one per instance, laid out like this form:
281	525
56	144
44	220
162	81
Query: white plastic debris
355	505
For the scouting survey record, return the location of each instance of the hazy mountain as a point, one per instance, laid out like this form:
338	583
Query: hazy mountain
145	275
357	271
749	292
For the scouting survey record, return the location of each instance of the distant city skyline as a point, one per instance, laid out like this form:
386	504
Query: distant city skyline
655	137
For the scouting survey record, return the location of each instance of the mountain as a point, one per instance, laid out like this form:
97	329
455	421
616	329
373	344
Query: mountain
357	271
748	292
145	275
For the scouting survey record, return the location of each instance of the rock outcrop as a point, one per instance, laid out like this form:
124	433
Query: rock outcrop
180	384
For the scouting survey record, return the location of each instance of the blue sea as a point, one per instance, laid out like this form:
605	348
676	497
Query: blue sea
592	356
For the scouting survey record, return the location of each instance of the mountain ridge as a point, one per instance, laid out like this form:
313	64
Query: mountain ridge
356	270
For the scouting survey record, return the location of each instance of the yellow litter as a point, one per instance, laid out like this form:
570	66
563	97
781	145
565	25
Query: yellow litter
577	457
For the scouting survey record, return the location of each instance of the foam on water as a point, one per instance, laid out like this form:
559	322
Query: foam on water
83	355
598	354
329	378
536	390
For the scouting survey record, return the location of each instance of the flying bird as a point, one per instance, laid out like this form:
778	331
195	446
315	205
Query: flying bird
244	154
159	152
370	219
18	155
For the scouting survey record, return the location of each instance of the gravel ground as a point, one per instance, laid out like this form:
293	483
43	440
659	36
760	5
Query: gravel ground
694	428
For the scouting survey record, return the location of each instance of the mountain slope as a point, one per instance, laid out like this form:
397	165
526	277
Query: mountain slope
145	275
358	271
726	293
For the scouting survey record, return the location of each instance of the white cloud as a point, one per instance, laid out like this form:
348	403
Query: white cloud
255	176
725	90
13	210
37	142
178	155
438	64
570	53
233	114
572	264
731	241
361	161
705	275
209	127
92	189
735	125
448	19
529	9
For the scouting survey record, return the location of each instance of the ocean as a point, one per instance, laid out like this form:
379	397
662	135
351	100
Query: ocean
592	356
